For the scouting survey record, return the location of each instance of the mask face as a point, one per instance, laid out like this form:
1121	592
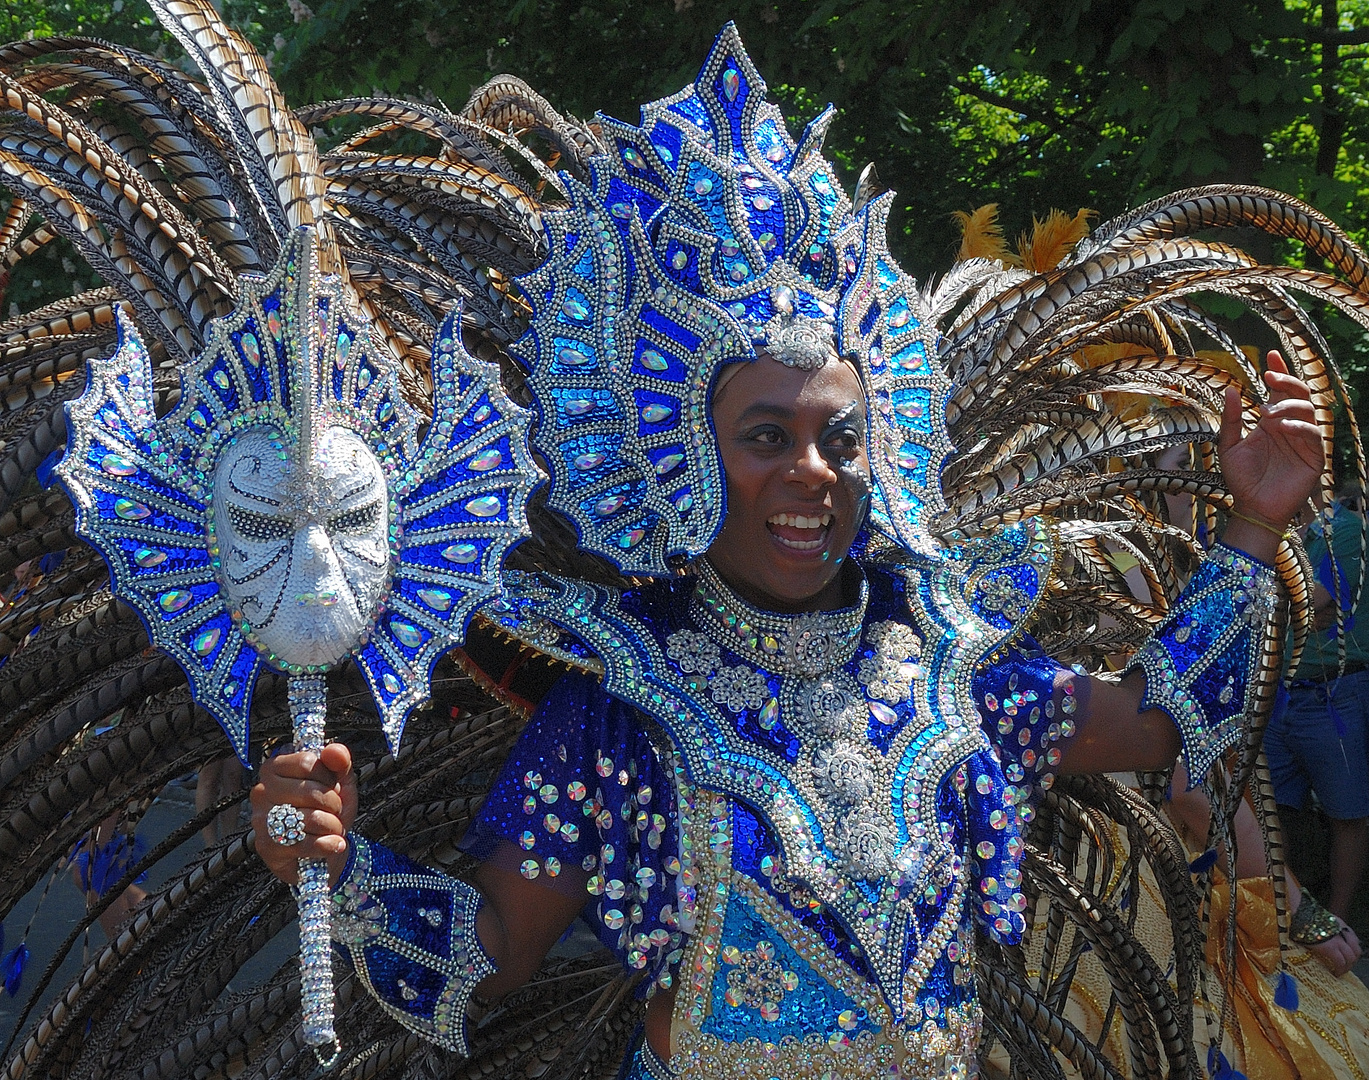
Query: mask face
305	560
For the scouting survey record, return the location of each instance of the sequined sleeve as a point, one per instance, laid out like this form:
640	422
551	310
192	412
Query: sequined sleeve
584	793
1201	661
1027	702
410	934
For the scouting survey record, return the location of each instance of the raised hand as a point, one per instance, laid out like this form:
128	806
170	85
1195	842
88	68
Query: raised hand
324	788
1272	469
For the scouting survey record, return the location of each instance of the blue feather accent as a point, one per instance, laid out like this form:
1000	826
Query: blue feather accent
13	966
1286	992
1203	862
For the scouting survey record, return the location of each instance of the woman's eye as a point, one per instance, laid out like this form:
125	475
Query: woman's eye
768	436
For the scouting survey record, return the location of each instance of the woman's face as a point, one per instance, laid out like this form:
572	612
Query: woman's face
798	481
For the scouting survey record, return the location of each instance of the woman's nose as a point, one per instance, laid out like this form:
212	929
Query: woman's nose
811	467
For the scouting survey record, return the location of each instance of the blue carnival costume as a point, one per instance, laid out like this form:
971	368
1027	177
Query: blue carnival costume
794	822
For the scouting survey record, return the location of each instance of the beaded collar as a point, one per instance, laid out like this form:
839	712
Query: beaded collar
808	644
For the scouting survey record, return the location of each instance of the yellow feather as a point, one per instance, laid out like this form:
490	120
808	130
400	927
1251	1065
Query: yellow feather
981	236
1052	239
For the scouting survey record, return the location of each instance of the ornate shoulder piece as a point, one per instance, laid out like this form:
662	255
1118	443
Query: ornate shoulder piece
703	234
410	934
287	512
1201	661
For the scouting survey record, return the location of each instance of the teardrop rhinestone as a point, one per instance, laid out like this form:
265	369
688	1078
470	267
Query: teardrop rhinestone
578	406
654	414
573	357
783	299
634	157
732	83
407	634
130	510
668	464
769	715
631	538
753	183
147	557
205	641
437	599
685	503
460	553
908	460
654	361
391	684
486	460
173	601
118	465
585	462
387	412
273	326
344	346
610	505
480	415
485	506
574	308
230	689
220	378
899	317
883	713
909	410
363	378
775	153
620	210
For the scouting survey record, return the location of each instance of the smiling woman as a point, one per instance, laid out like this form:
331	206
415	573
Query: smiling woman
758	701
793	445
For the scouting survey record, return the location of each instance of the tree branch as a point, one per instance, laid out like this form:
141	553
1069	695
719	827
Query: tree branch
1054	121
1318	36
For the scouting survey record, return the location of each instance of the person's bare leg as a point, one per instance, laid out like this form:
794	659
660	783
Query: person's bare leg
1349	851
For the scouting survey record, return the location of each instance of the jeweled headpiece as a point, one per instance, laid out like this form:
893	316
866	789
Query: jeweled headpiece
287	513
705	234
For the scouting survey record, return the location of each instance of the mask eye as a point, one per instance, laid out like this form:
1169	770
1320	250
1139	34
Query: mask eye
262	528
360	519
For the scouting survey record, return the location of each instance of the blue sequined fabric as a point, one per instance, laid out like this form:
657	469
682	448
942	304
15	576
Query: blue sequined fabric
585	793
410	934
1201	661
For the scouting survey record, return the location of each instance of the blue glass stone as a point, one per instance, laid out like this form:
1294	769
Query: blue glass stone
685	503
344	346
118	465
608	506
220	378
408	634
633	157
486	460
460	553
620	210
363	378
147	557
485	506
174	600
387	411
574	308
440	599
130	510
883	713
631	538
654	361
668	464
392	685
585	462
579	406
654	414
251	348
205	641
732	83
573	357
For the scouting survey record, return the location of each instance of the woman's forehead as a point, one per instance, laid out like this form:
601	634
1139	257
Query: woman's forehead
766	383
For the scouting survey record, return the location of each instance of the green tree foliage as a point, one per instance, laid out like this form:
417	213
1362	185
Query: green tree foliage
1029	103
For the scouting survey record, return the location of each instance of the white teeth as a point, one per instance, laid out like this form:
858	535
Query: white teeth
799	521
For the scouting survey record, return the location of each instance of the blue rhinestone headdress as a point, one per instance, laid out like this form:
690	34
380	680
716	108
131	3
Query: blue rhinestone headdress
703	234
293	360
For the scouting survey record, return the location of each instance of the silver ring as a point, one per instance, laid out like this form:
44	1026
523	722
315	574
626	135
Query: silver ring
285	824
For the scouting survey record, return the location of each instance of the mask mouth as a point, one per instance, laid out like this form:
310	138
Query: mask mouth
802	532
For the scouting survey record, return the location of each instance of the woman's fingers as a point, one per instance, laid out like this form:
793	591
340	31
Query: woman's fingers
306	794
